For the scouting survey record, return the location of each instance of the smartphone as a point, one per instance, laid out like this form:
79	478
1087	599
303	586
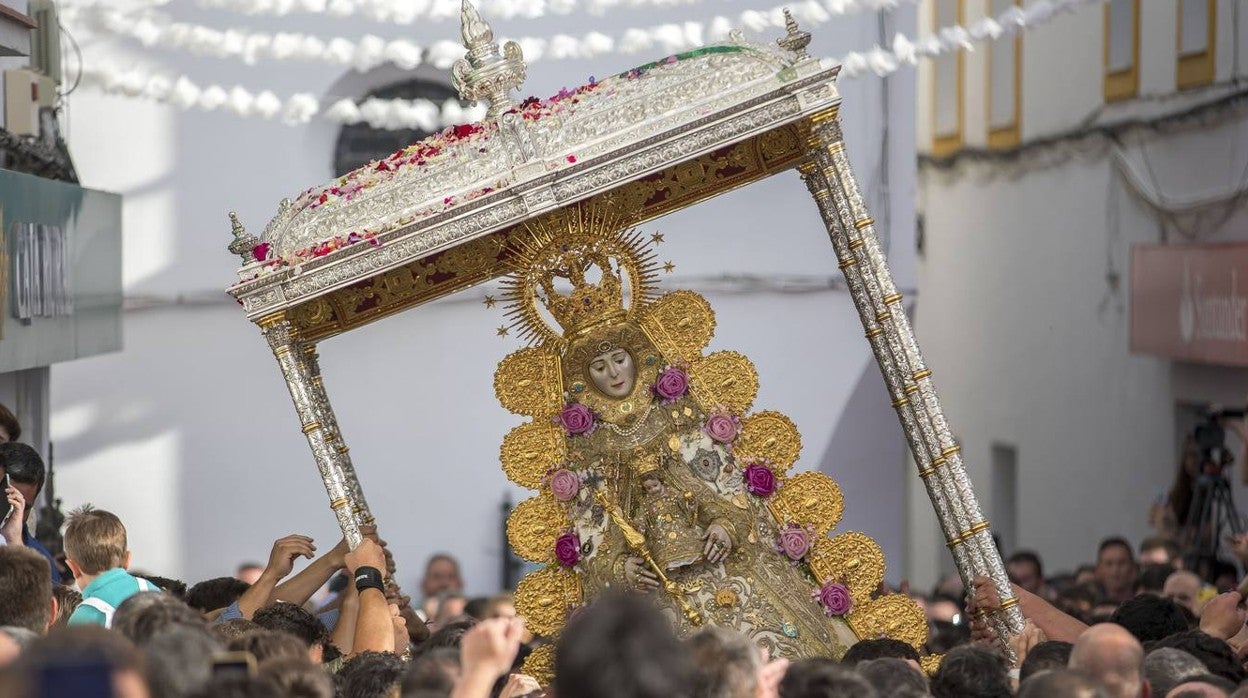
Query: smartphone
240	664
4	499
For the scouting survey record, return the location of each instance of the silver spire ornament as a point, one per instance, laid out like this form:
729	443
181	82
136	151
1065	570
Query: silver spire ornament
795	40
484	73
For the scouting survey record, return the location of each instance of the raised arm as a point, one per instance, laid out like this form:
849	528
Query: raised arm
281	562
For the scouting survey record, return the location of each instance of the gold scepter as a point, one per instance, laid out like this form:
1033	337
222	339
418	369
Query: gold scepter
637	542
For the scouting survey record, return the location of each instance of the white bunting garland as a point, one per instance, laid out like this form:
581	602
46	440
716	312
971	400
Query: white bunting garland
406	12
296	109
430	116
152	28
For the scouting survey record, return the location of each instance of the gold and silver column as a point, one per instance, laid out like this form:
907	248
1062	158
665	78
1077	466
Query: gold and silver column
831	182
325	415
308	400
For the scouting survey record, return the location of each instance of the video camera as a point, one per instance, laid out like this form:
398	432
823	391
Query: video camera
1210	438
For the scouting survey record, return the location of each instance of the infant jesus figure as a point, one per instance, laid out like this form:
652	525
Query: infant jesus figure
669	524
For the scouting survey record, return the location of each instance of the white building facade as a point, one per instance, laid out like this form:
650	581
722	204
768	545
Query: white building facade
1047	164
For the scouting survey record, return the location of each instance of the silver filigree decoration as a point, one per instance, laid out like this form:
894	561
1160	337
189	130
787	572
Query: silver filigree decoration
484	73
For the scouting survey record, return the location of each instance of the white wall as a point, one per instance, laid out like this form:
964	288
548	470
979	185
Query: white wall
189	435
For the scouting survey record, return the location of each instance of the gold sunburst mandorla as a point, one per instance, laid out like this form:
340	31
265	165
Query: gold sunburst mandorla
582	290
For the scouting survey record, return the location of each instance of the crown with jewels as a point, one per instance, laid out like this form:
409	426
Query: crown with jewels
574	266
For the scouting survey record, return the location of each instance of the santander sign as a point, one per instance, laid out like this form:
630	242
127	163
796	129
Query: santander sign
1186	302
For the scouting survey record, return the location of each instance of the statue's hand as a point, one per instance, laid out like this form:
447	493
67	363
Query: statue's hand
718	544
638	576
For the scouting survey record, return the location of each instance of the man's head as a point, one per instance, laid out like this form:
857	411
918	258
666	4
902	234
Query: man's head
727	663
1152	579
441	576
10	429
370	674
1167	667
1183	588
295	620
95	542
211	594
269	644
249	572
179	659
24	466
1115	567
1026	570
823	678
25	589
1215	654
621	647
1113	658
1046	656
1203	686
88	646
1150	618
880	648
299	677
972	671
1158	551
896	678
150	612
1060	683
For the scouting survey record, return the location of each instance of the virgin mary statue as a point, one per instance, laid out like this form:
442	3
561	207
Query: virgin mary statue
652	474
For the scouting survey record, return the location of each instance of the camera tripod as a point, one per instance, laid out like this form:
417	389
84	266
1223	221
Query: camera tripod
1212	515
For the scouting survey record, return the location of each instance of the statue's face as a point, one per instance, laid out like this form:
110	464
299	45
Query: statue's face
652	485
613	373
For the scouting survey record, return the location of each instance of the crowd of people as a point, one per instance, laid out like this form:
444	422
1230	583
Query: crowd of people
82	622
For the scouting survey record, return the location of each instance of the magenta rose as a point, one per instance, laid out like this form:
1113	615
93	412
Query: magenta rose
564	484
568	549
759	480
261	252
722	427
794	541
835	598
577	419
672	384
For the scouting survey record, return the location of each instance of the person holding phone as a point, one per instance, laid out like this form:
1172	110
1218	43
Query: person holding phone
14	513
24	467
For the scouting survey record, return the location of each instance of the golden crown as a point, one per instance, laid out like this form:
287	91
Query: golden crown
575	265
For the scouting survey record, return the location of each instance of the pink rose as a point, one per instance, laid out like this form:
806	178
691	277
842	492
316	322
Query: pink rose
759	480
835	598
722	427
564	484
261	251
568	549
672	384
577	419
794	541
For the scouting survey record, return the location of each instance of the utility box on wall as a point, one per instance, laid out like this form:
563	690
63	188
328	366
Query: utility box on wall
25	92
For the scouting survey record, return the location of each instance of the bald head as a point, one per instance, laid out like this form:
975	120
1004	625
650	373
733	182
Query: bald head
1182	587
1113	658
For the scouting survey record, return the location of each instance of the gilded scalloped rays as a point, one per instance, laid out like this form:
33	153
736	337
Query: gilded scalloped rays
895	615
680	324
545	597
851	558
528	382
531	450
771	436
725	378
533	527
540	664
810	499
